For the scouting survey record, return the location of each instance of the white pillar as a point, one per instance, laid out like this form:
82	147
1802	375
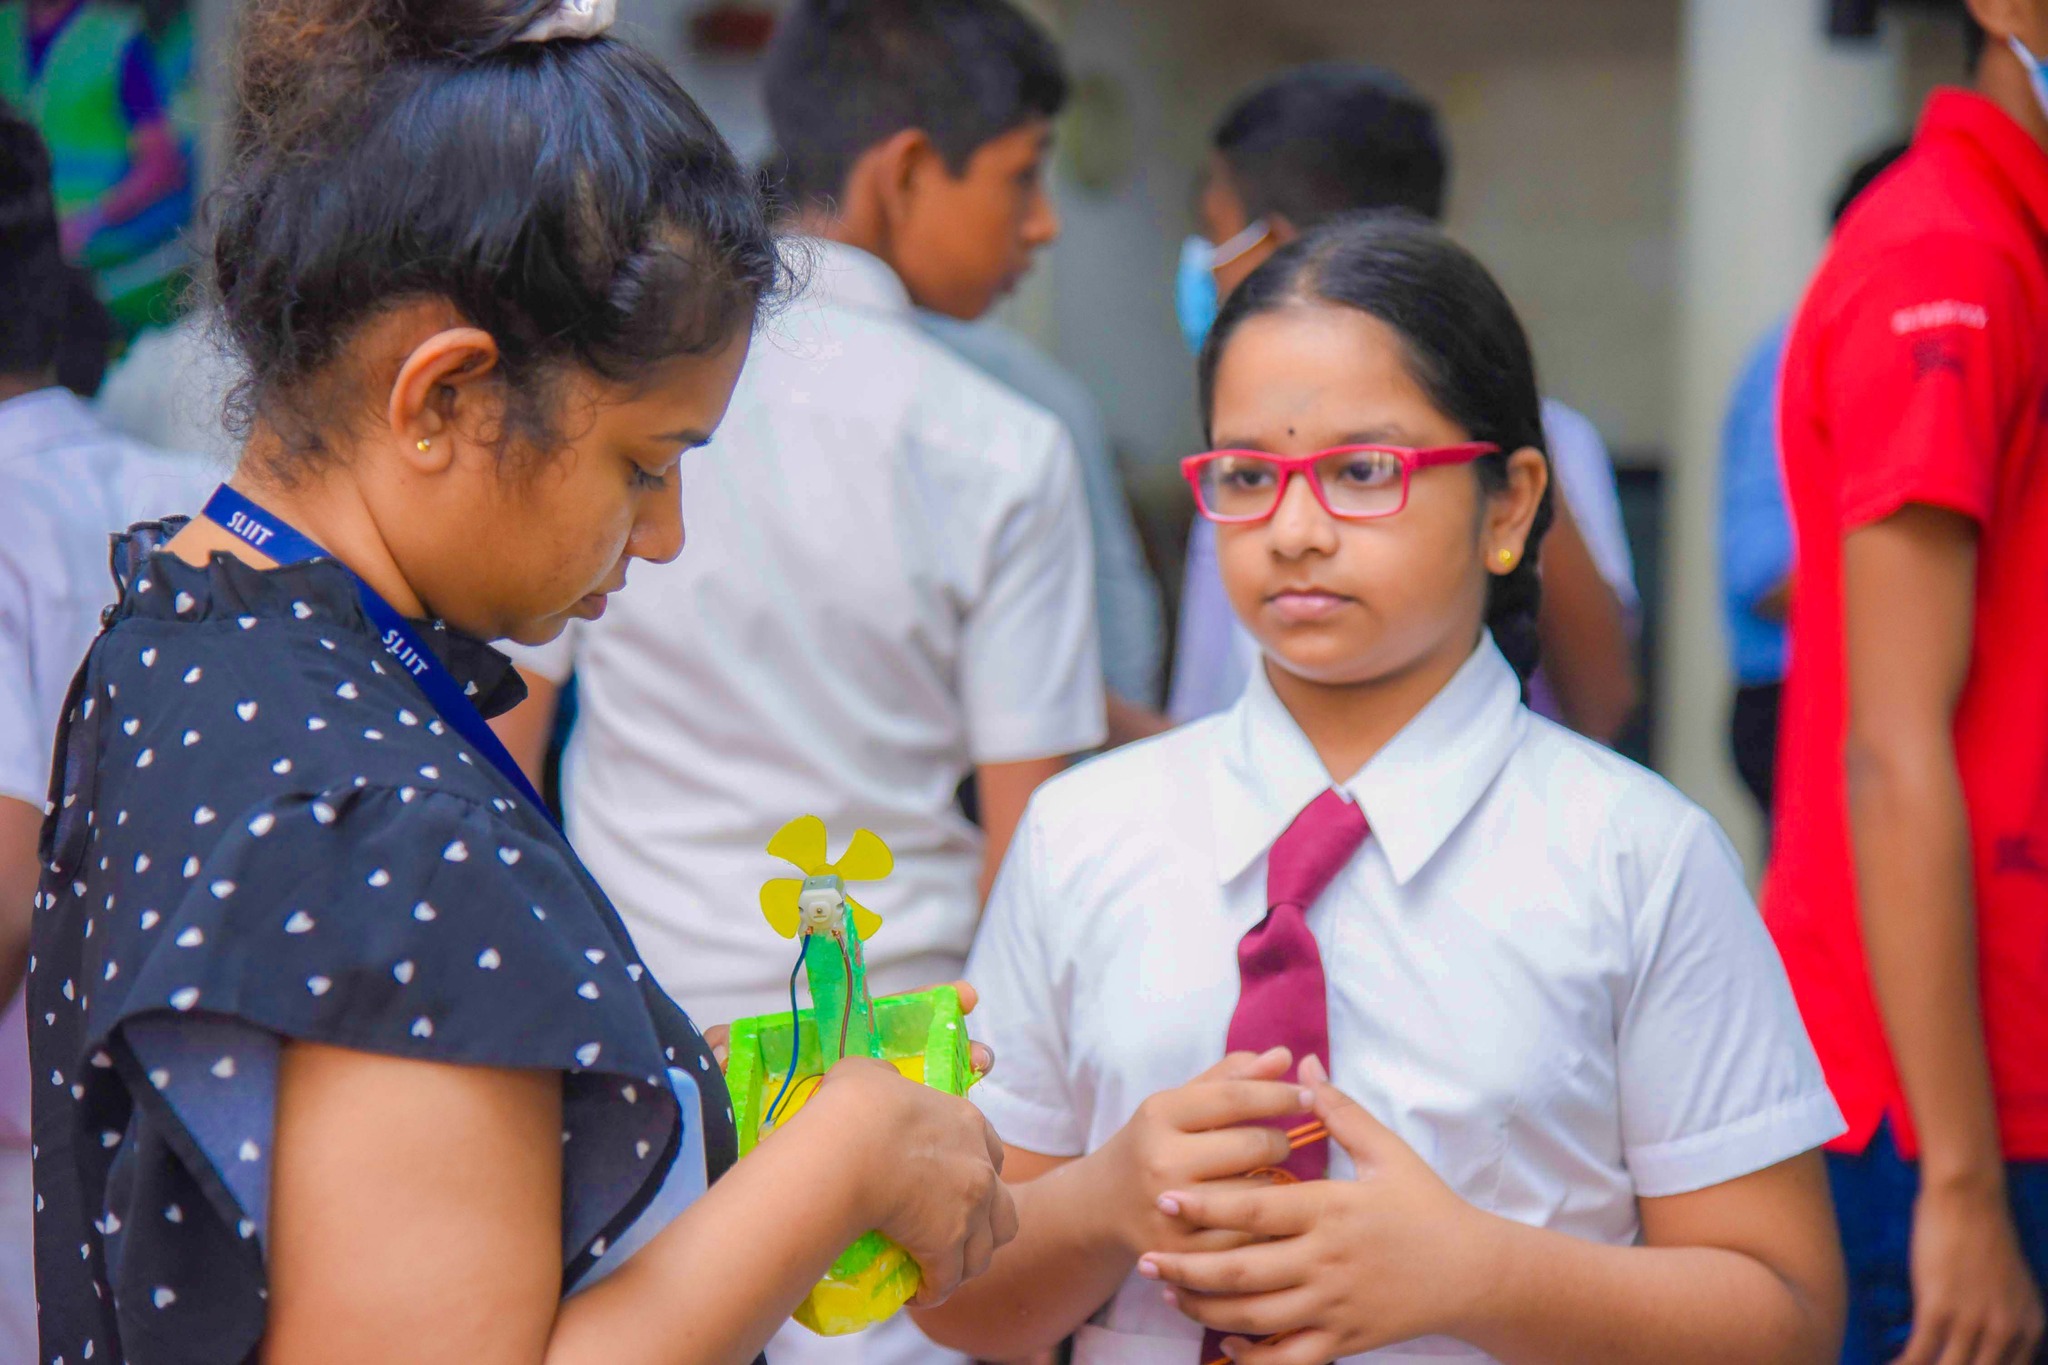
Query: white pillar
1772	113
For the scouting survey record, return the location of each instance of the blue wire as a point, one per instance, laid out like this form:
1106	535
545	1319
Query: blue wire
796	1036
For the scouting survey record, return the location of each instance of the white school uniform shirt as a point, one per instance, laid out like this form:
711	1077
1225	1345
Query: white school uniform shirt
1544	970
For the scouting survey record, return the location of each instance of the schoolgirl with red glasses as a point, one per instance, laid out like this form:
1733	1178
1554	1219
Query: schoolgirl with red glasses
1378	1017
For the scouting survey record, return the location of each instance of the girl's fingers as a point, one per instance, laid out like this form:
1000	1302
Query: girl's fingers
1277	1211
1261	1268
1225	1153
1229	1103
1269	1065
981	1057
1248	1315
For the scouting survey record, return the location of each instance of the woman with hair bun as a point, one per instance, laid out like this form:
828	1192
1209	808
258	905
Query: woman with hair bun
342	1055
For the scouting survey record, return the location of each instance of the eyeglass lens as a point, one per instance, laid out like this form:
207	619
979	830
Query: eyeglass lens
1358	483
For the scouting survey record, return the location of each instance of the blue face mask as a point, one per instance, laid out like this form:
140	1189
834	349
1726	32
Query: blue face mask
2036	77
1194	282
1194	292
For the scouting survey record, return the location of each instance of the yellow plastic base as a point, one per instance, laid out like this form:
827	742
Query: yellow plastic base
844	1303
923	1036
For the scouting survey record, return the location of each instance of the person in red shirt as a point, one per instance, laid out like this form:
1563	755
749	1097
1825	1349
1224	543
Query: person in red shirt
1909	888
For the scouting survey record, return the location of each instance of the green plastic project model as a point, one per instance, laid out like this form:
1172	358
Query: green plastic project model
777	1060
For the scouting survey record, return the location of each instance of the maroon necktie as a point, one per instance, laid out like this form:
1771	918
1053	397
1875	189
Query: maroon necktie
1282	999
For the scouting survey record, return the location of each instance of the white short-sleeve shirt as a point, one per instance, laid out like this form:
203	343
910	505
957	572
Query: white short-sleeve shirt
1545	971
886	582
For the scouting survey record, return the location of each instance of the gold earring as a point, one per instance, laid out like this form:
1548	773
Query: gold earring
424	445
1507	558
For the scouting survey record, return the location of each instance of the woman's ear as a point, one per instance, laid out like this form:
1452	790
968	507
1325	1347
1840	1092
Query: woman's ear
1511	511
439	396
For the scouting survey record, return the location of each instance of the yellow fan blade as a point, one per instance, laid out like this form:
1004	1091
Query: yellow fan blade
867	859
802	842
865	921
778	903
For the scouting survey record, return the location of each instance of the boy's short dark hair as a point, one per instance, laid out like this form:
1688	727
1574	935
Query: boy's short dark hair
1320	141
843	75
1862	176
33	278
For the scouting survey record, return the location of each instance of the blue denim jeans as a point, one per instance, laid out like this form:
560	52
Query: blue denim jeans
1874	1191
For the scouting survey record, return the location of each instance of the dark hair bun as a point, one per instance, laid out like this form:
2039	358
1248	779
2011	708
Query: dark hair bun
306	64
568	197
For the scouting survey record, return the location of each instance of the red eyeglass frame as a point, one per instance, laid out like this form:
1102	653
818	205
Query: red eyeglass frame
1410	458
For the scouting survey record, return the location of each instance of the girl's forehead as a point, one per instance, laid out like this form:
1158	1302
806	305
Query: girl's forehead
1317	372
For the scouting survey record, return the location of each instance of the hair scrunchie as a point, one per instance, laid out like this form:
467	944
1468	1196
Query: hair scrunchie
571	19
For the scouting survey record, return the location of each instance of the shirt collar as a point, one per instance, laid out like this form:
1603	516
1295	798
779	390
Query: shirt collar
847	277
1414	792
157	585
2010	151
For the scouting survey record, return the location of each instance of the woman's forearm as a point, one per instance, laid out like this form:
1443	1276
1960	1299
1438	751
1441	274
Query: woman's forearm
1561	1300
718	1282
1065	1264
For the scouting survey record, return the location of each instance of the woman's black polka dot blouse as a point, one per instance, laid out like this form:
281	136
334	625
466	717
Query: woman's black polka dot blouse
260	831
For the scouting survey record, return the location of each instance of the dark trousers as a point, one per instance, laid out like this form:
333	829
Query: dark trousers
1874	1191
1753	739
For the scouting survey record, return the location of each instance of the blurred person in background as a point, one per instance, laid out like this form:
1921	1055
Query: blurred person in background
90	78
67	484
1756	536
171	390
1908	889
1308	145
1127	606
888	586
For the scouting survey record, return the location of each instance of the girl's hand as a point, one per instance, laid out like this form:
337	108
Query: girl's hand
926	1164
1342	1266
1190	1136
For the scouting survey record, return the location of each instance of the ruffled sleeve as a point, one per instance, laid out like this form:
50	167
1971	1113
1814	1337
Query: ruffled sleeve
403	921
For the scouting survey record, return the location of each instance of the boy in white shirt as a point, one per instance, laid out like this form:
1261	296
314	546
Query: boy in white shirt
887	586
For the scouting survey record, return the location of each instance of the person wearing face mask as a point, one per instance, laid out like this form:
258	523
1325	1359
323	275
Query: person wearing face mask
1315	143
1909	889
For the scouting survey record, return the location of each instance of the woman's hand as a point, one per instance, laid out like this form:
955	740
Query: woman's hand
1337	1266
929	1165
1186	1137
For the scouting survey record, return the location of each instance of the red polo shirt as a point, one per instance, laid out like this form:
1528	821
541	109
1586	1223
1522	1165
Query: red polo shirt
1915	374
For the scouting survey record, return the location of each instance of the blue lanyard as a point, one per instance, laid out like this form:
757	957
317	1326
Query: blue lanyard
284	543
